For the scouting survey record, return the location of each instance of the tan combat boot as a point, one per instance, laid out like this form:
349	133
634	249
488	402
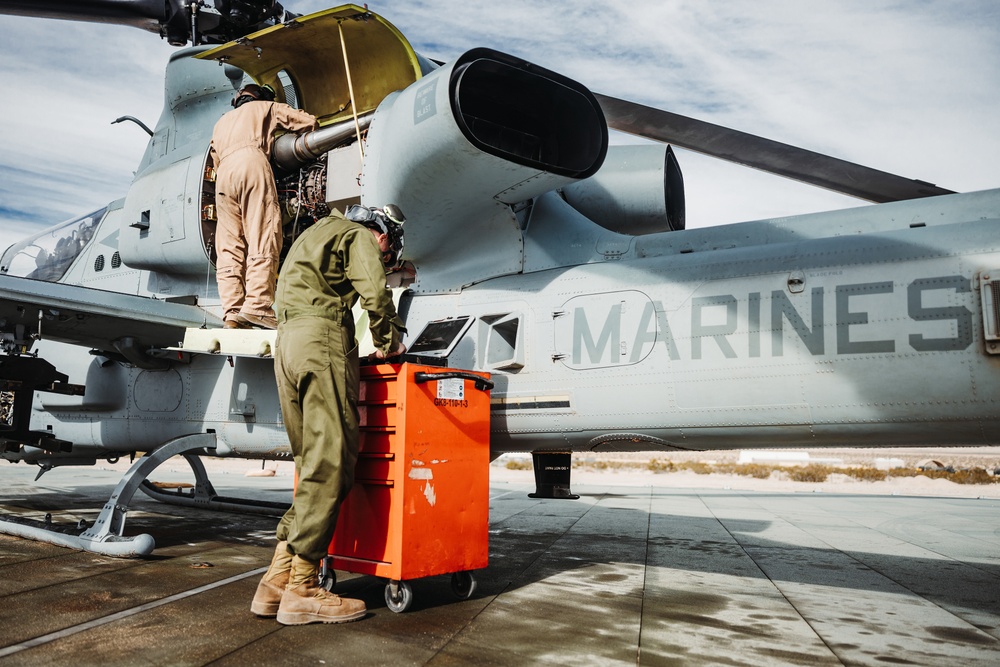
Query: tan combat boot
305	602
272	584
254	321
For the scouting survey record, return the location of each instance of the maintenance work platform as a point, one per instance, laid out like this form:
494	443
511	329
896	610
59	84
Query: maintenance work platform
625	575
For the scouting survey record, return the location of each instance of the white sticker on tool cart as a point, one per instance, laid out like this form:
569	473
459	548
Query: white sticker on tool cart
452	389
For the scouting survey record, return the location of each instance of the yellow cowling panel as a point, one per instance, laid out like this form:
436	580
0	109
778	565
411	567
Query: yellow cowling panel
309	51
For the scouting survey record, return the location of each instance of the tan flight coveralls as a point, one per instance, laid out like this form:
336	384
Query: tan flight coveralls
248	233
328	269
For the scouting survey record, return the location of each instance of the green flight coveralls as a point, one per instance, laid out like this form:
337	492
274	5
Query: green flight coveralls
328	269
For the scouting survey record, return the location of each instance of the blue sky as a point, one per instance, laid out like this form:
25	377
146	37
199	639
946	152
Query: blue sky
907	87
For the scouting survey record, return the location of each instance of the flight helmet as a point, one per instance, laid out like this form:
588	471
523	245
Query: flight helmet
251	92
386	220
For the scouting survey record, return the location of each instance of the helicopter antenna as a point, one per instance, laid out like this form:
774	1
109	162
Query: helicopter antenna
134	120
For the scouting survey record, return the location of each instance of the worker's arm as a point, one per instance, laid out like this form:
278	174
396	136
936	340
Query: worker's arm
293	120
363	267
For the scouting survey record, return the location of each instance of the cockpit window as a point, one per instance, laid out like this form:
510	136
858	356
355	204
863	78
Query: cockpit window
49	254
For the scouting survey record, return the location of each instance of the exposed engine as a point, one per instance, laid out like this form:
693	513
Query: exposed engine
302	197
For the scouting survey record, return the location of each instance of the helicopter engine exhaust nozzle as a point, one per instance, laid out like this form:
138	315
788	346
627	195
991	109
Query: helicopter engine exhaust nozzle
481	136
292	151
639	190
534	117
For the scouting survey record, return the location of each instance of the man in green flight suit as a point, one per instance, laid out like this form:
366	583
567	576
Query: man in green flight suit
331	266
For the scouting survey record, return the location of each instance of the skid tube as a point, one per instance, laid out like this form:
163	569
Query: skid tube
105	536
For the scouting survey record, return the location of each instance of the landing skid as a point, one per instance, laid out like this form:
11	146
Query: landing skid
105	536
203	495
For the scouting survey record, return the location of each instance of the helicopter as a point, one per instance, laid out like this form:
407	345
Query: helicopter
536	251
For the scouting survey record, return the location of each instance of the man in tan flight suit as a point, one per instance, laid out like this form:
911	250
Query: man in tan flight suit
328	269
248	234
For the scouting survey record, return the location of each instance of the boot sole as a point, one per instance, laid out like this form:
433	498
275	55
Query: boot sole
302	618
264	610
253	322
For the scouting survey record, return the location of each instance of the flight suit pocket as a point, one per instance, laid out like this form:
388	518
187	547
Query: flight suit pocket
310	344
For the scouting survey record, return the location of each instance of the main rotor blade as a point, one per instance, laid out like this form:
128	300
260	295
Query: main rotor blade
764	154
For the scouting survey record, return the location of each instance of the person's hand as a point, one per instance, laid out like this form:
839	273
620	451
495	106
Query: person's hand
379	354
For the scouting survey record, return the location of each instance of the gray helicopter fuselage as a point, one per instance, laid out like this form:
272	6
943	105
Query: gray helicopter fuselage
819	330
873	326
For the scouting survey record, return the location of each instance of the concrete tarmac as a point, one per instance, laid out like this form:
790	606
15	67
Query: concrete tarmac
626	575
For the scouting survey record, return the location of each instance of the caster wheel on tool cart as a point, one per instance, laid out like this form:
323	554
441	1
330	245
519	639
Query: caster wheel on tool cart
463	585
403	598
328	582
327	575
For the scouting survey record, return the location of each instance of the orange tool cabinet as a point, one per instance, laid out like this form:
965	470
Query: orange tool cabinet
420	502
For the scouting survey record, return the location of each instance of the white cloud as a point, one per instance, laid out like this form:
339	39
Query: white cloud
66	82
909	88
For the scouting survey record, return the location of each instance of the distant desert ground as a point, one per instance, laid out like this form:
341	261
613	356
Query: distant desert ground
628	470
633	469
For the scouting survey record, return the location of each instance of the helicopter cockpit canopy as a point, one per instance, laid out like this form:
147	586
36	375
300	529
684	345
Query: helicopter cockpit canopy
49	254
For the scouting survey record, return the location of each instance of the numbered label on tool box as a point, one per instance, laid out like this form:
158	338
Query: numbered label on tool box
451	393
